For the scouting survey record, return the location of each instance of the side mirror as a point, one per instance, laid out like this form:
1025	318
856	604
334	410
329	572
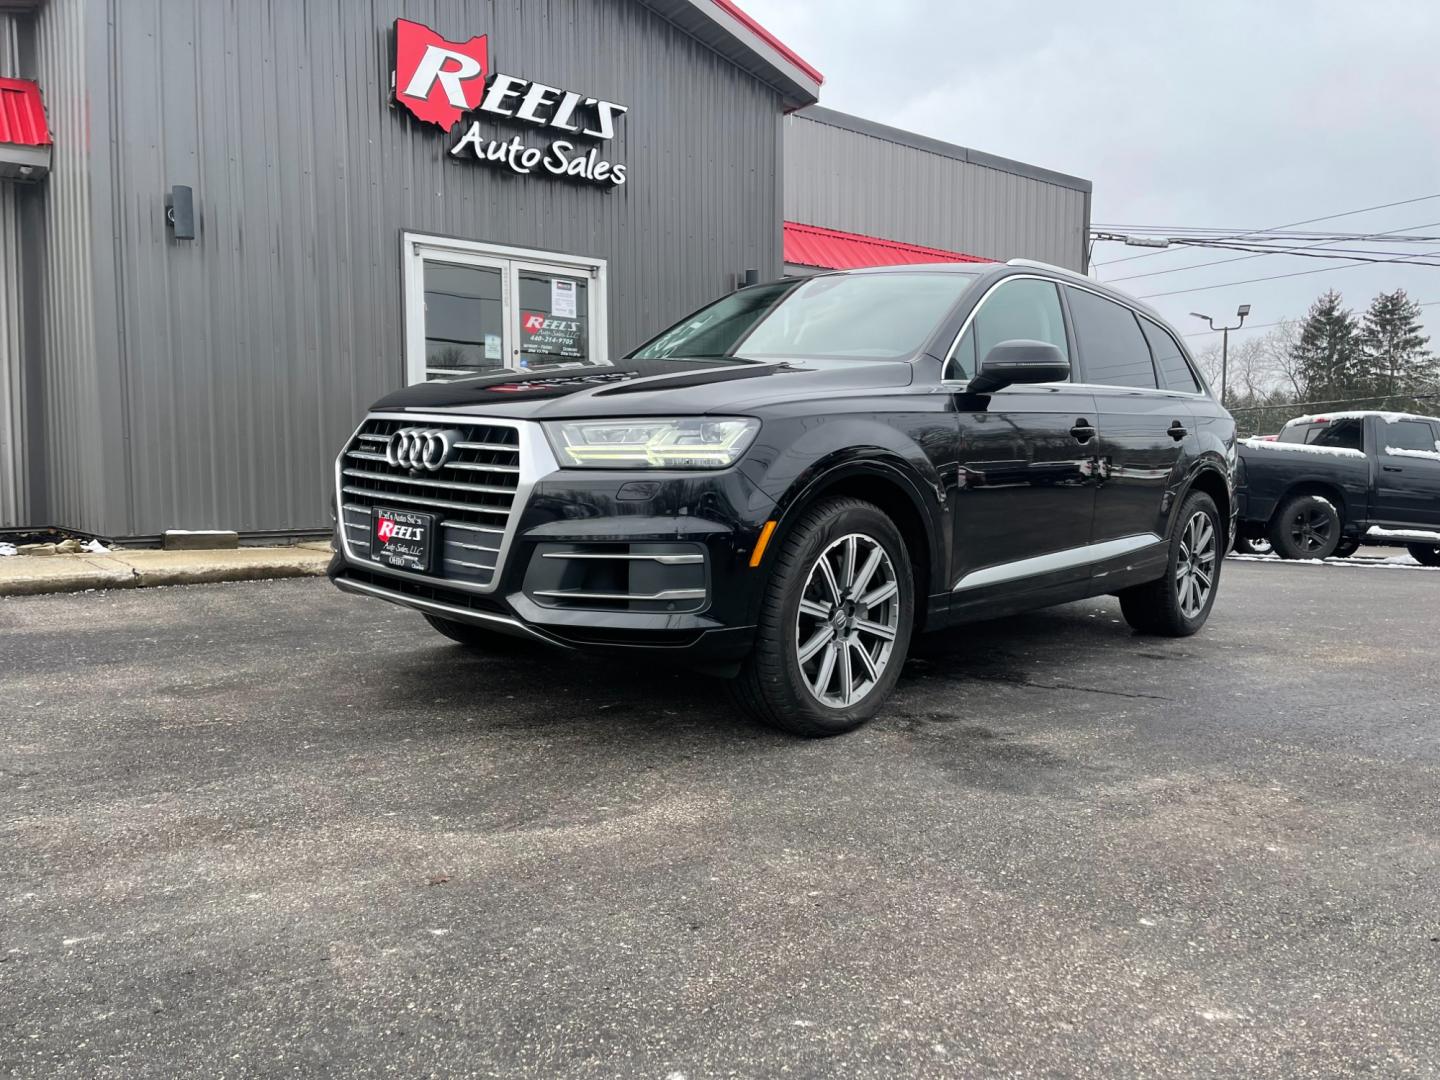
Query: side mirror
1019	361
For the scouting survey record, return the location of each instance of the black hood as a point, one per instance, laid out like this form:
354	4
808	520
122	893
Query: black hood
649	387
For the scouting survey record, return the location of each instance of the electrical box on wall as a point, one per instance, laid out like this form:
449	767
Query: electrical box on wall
180	212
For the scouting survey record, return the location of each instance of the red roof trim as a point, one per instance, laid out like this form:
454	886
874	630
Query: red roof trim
22	114
832	249
770	39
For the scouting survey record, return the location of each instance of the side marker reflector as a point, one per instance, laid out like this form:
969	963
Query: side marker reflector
759	552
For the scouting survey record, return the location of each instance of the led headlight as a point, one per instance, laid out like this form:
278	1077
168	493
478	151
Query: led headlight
697	442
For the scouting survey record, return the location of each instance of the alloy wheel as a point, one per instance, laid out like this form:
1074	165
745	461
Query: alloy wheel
1195	568
848	618
1311	528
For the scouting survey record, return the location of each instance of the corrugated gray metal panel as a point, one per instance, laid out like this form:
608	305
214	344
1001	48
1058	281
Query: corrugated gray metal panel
14	503
844	179
69	432
250	352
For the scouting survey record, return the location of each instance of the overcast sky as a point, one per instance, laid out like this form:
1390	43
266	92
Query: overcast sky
1205	114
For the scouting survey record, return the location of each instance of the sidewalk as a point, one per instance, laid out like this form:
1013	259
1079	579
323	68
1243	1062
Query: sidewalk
29	575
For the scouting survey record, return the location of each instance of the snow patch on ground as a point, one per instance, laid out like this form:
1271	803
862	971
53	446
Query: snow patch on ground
1394	562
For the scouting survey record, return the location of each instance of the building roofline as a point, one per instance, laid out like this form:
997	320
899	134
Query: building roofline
899	136
733	34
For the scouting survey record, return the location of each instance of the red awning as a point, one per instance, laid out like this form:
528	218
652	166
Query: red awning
811	245
22	114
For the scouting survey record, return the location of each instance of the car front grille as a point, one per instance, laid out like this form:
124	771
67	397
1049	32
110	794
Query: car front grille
472	496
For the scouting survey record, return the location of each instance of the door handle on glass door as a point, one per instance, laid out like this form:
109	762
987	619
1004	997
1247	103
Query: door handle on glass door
1082	431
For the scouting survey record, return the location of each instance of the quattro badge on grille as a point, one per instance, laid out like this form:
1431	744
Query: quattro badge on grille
422	448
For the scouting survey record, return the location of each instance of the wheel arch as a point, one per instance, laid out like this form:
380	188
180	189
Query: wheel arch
1211	478
1332	492
888	483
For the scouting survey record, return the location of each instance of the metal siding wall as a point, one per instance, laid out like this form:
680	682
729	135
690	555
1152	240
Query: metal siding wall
67	431
13	496
847	180
251	351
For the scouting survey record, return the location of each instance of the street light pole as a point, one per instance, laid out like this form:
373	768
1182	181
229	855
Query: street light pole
1242	311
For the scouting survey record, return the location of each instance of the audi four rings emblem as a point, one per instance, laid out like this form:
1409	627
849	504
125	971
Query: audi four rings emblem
421	448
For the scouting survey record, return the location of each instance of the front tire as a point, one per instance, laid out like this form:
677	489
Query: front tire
1307	527
834	624
1178	604
1424	554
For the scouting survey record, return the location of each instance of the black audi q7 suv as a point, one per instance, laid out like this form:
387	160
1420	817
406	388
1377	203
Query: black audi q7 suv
790	483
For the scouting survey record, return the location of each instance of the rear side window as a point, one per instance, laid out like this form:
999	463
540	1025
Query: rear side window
1348	434
1111	344
1175	373
1410	435
1025	309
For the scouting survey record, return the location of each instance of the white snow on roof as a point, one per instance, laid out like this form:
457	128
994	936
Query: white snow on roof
1303	448
1388	417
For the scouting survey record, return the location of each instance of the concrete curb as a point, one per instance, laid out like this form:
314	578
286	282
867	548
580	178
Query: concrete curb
29	575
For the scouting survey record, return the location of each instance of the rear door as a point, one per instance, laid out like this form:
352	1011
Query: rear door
1407	484
1145	430
1025	505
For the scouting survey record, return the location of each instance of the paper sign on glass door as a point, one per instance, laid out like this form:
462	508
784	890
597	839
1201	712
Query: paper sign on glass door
562	298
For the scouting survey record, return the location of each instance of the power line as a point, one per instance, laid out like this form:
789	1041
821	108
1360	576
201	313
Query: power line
1297	273
1276	228
1260	253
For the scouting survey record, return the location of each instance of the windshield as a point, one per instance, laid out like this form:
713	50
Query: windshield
858	316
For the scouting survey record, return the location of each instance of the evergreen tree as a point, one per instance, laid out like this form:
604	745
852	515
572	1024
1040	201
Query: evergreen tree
1328	360
1393	345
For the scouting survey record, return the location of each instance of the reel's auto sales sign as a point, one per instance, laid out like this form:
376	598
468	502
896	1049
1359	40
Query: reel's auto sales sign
441	82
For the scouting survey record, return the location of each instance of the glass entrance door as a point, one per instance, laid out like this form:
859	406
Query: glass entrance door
472	308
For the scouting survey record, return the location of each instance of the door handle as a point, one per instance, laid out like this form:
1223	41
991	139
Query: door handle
1392	468
1082	431
1178	430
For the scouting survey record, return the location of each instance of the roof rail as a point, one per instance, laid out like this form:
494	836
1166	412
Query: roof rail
1038	265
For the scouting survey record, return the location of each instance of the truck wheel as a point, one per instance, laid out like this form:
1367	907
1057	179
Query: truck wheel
1307	527
835	622
1347	547
1248	545
1178	604
476	638
1424	554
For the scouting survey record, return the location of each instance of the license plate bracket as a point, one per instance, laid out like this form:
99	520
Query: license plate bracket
402	539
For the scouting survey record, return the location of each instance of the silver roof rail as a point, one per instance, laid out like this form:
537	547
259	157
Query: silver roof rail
1038	265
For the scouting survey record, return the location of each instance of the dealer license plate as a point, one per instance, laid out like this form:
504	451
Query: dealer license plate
402	539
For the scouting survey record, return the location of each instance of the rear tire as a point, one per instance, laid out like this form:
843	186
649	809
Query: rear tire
1306	527
835	623
1178	604
476	638
1424	554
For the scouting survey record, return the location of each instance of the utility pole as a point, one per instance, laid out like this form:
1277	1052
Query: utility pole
1242	311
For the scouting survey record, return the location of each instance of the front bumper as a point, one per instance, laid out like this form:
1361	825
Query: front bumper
604	561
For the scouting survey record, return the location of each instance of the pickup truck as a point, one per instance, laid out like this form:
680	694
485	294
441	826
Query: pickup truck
1330	483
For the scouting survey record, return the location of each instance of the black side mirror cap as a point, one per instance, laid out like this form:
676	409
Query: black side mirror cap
1019	361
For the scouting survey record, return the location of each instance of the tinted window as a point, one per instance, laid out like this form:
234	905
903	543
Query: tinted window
1110	342
1026	309
1410	435
1348	434
1175	373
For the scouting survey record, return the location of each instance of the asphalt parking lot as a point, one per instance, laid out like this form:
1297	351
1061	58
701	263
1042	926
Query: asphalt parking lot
270	829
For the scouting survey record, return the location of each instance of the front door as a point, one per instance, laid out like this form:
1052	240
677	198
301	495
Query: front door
1024	508
472	308
1407	482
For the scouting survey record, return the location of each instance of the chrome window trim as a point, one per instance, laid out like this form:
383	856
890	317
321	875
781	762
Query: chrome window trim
958	384
537	461
1067	559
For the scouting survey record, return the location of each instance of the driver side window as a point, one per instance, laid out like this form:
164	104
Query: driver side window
1027	309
